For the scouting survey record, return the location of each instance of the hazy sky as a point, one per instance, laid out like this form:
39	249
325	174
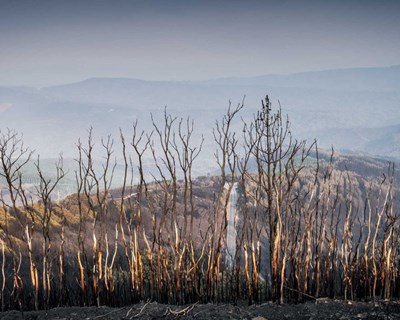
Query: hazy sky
44	42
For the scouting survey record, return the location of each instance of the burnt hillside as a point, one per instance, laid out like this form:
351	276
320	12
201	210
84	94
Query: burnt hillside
281	221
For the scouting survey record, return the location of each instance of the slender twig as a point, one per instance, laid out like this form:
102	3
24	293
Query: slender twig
141	310
181	312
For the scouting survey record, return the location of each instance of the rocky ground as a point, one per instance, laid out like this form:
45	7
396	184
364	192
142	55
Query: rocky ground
322	309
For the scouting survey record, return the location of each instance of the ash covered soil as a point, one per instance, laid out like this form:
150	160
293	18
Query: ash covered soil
322	309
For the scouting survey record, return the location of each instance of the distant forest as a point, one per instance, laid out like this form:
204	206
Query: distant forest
306	223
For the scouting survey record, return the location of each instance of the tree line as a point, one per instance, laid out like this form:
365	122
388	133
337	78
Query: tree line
303	229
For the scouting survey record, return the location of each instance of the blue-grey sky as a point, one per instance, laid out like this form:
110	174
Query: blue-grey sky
45	42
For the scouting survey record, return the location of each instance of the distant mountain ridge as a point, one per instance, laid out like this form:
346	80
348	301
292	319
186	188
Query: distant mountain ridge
368	78
351	109
362	79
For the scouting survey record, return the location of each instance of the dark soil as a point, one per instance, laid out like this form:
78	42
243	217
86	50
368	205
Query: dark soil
322	309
